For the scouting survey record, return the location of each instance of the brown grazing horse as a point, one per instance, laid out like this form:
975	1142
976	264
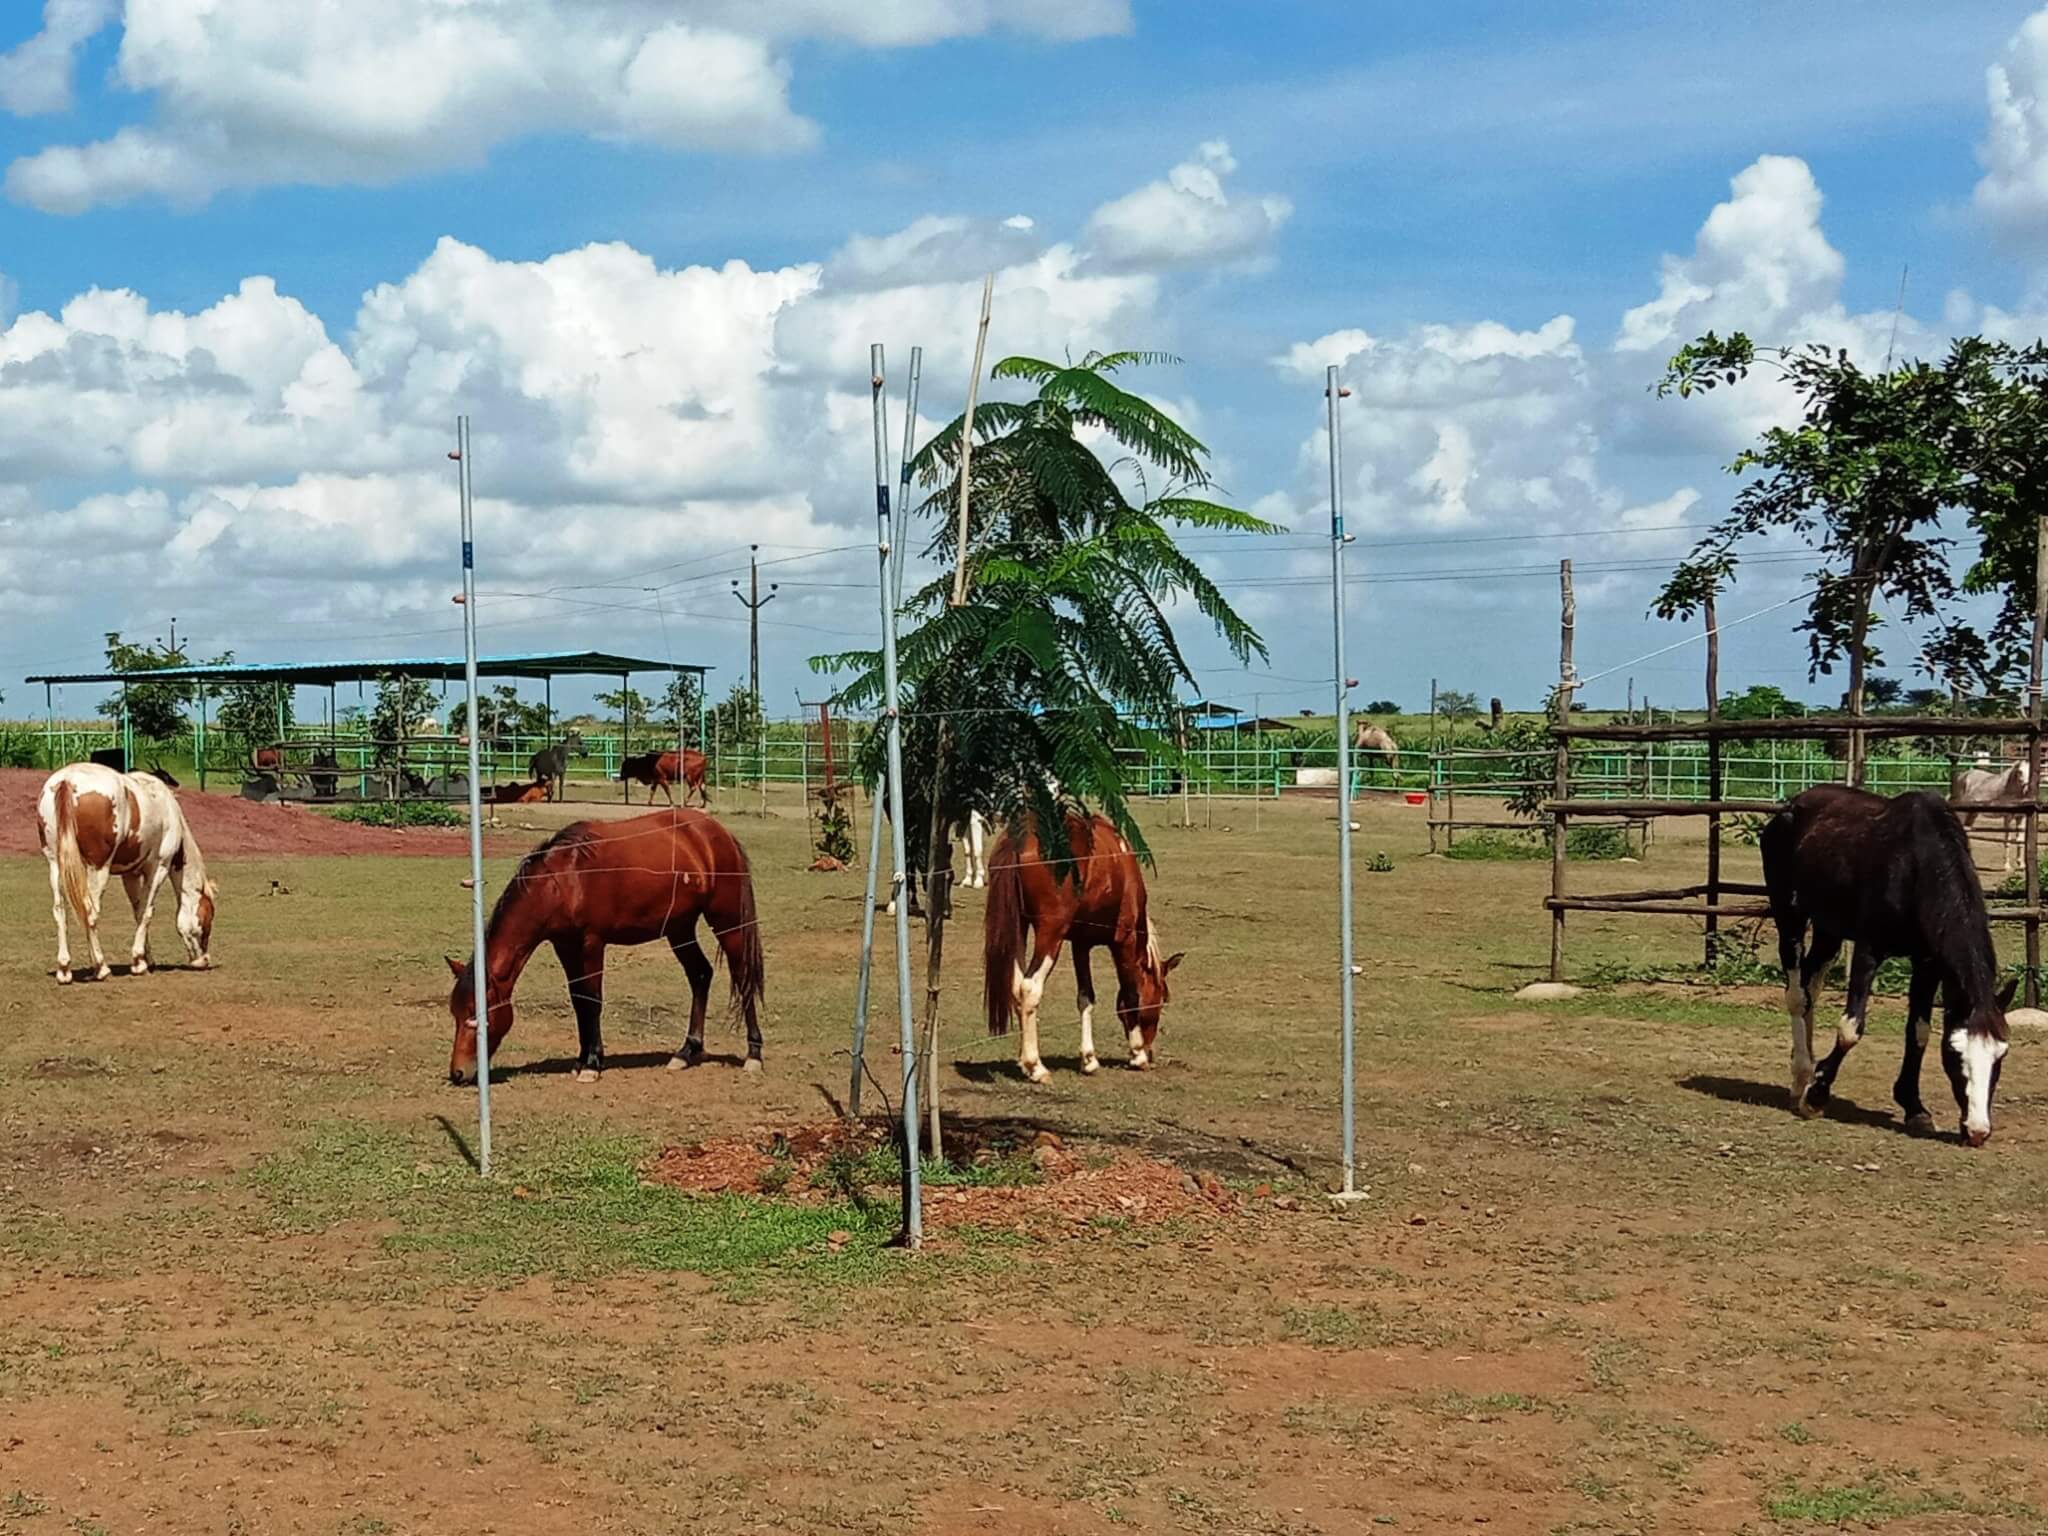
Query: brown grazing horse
596	883
1094	899
1893	877
658	770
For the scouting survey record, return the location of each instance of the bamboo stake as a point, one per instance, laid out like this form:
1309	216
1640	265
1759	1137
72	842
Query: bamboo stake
988	289
1562	709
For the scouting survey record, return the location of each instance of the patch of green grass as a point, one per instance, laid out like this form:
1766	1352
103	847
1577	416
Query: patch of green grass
1005	1171
1491	846
574	1205
402	813
1492	1405
1866	1503
1795	1433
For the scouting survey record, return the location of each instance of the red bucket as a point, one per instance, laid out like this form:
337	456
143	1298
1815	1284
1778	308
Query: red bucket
1416	797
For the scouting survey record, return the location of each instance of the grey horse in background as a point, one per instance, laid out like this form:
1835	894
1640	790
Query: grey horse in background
550	766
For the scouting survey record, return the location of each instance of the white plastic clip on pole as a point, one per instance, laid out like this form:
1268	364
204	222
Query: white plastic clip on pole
1350	1191
477	967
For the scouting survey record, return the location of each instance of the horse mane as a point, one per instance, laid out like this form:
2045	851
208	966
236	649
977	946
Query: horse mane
1952	902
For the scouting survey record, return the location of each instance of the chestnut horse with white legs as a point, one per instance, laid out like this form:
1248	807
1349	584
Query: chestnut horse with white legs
1095	900
94	824
598	883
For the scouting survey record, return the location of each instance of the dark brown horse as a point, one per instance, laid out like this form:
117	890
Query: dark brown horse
659	770
1094	899
597	883
1894	877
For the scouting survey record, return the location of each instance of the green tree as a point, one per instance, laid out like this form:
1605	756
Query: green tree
504	714
1383	707
1064	644
156	711
247	713
622	699
737	719
402	702
1866	478
1760	702
1453	705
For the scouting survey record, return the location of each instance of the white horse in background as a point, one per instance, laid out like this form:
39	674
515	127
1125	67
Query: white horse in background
1370	738
1985	785
972	836
94	824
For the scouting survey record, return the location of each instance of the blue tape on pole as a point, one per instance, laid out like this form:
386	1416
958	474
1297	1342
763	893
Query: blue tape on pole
882	498
468	555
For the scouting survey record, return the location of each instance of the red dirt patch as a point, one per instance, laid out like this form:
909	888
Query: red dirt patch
227	825
1067	1191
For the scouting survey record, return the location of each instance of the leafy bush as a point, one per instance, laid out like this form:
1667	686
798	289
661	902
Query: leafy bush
1499	845
1379	864
1593	843
402	813
19	748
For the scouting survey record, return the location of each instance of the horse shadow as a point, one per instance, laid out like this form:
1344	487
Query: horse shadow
984	1073
623	1061
1772	1096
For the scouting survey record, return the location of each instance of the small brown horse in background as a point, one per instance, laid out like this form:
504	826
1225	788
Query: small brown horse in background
658	770
596	883
1095	899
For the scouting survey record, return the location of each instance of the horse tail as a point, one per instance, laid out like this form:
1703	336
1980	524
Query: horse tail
745	960
1002	933
70	862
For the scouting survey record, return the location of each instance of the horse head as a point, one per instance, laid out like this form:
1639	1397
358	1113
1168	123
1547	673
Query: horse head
1973	1055
462	1009
1140	1019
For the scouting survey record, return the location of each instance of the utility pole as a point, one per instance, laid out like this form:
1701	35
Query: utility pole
753	602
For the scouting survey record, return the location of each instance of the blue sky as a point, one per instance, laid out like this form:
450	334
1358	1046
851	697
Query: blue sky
1418	193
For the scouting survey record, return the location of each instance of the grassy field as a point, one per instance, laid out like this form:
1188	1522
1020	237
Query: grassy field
1604	1281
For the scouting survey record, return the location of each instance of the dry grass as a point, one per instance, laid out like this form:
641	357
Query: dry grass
1604	1281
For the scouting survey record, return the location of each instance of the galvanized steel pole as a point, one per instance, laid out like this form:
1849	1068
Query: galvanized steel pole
477	967
913	1195
894	587
1338	539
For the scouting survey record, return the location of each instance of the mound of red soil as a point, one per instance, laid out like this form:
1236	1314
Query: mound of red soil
227	826
1069	1191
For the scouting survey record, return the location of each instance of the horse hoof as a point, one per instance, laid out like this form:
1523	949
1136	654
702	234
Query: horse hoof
1140	1061
752	1064
138	968
1036	1073
203	963
1806	1109
63	978
678	1063
104	973
1922	1124
1090	1064
586	1074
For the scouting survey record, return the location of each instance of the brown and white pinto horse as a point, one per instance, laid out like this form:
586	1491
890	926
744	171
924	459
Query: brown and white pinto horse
597	883
1094	900
94	824
658	770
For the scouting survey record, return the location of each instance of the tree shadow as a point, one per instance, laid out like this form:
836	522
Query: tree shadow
1774	1097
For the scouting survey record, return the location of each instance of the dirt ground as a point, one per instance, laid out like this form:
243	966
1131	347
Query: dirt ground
1603	1281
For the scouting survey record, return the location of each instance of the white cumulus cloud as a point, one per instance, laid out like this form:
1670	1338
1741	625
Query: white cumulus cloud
2013	194
256	93
1190	219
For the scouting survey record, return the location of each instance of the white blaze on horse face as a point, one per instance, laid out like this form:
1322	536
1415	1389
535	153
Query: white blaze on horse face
1980	1053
